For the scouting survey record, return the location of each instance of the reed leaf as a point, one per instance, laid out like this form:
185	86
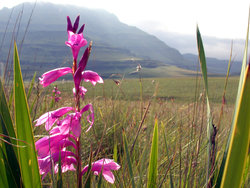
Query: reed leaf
240	139
211	130
27	153
125	142
153	172
240	86
9	167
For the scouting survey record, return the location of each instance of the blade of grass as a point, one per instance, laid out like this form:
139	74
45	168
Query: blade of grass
170	171
125	142
27	155
153	172
225	87
211	130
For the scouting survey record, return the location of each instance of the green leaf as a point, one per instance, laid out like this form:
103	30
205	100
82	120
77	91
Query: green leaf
8	147
240	139
242	76
210	128
5	114
166	144
125	142
7	178
152	172
27	153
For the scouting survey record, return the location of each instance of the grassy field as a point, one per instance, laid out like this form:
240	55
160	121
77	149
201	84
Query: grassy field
131	107
180	89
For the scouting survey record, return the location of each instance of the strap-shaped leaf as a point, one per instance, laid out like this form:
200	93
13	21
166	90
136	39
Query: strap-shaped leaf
152	172
27	153
9	164
240	139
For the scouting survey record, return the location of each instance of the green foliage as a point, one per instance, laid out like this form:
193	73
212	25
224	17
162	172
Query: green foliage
239	140
26	150
128	159
153	172
10	171
211	130
236	151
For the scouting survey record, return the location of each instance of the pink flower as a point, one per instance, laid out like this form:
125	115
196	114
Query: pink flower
91	116
75	41
49	118
90	76
72	122
68	159
82	91
52	75
105	166
52	144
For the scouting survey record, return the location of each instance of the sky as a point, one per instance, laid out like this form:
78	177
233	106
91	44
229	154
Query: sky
218	18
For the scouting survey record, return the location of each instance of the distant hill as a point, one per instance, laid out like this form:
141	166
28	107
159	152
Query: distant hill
117	47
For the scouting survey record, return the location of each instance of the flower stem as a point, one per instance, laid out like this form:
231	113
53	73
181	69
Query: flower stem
79	164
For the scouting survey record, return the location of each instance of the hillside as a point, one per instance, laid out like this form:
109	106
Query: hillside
117	47
115	44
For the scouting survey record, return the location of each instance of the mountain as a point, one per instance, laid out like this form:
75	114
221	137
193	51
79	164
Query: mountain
115	44
117	47
214	66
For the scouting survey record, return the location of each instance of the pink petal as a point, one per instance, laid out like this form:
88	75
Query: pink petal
52	144
51	76
70	123
76	125
51	117
67	157
82	91
91	115
90	76
104	165
75	42
108	176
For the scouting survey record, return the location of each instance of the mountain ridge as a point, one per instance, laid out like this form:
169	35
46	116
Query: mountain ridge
114	43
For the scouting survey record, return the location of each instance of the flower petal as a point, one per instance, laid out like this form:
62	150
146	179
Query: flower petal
90	76
49	118
69	25
108	176
82	91
75	27
67	158
91	115
52	144
52	75
104	165
70	123
75	41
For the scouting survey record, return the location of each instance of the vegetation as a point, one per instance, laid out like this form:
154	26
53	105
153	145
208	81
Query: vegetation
163	132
